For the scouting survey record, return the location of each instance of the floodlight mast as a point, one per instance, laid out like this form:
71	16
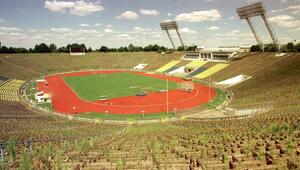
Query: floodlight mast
253	10
270	29
171	26
170	38
257	38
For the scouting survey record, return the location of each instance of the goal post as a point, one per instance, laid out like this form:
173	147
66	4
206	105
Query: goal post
186	86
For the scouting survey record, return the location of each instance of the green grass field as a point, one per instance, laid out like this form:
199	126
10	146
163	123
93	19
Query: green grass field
130	117
114	85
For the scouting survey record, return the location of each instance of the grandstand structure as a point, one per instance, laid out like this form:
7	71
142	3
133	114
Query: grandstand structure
223	53
262	140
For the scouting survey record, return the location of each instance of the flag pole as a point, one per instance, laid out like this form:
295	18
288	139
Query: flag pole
167	97
209	85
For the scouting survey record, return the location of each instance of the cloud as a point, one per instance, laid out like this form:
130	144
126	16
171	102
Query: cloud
2	21
124	37
138	29
58	6
233	33
285	21
82	31
232	18
60	30
33	30
79	8
130	15
213	28
167	20
187	31
84	25
199	16
10	29
149	12
293	9
107	30
82	8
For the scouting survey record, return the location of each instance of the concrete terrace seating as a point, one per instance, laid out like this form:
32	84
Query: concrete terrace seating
196	64
168	66
9	90
211	71
181	71
171	69
196	71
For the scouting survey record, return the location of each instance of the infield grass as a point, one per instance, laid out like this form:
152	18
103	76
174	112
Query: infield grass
91	87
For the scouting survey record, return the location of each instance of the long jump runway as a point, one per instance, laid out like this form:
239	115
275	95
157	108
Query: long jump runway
65	100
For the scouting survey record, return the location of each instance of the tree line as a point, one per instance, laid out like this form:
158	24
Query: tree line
286	48
52	48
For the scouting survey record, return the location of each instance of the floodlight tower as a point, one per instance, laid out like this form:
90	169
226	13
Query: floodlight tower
171	26
253	10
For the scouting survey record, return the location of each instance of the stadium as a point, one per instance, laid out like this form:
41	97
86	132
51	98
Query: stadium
230	107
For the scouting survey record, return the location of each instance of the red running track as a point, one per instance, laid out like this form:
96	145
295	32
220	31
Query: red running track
64	99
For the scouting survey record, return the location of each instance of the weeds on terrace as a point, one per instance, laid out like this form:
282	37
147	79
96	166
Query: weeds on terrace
255	129
67	145
26	161
225	161
12	149
58	160
82	147
260	154
151	147
289	144
122	163
274	128
287	128
48	151
249	149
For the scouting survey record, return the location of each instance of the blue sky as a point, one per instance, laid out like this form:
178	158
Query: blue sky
115	23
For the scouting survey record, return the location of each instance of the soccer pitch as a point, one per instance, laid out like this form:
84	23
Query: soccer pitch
91	87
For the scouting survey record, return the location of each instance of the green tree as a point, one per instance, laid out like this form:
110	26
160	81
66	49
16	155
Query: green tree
290	47
180	48
191	48
103	49
271	48
122	49
53	48
90	49
155	47
3	49
41	48
297	47
255	48
63	50
21	50
131	48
